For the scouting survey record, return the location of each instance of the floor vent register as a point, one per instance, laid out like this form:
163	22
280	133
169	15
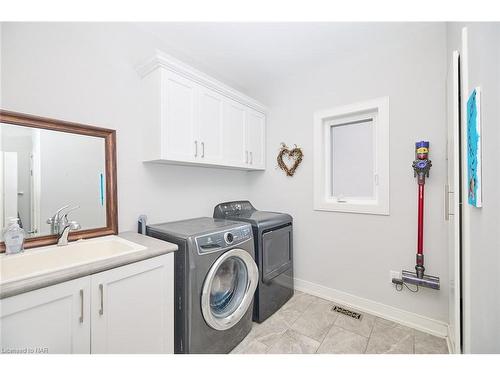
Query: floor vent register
346	312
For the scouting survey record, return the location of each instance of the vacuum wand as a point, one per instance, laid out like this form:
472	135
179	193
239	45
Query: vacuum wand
421	168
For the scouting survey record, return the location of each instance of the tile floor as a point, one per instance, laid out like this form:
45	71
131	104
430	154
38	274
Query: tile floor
306	324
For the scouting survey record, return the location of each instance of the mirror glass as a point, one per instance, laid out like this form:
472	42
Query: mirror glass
42	171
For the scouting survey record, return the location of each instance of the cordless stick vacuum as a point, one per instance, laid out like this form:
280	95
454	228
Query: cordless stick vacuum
421	167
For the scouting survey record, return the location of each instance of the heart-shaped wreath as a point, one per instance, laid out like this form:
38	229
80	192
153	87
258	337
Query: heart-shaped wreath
295	154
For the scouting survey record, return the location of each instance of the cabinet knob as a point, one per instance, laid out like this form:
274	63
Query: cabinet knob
195	149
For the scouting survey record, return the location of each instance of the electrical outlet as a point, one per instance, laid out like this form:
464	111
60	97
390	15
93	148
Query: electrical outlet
395	275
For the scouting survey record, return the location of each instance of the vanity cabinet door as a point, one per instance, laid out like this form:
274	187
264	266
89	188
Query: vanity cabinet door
133	308
255	139
54	320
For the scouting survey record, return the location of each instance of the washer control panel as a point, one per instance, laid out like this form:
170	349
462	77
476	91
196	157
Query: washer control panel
229	238
221	240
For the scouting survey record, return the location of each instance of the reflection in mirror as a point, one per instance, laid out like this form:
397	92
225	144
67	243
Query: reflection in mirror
42	171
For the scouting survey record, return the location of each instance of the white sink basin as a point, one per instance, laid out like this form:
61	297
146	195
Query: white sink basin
33	262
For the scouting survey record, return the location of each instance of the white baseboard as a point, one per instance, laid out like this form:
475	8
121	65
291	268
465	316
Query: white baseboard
407	318
452	349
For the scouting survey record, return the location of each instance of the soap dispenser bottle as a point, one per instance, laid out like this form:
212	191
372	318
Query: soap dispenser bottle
14	237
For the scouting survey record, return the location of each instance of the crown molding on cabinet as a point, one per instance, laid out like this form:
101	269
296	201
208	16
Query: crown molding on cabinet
163	60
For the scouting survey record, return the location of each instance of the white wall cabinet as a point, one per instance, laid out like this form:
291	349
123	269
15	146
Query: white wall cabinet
193	119
128	309
255	128
210	125
234	146
179	122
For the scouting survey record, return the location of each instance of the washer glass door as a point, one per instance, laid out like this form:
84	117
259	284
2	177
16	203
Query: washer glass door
228	289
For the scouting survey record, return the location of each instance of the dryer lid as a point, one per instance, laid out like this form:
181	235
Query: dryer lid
245	211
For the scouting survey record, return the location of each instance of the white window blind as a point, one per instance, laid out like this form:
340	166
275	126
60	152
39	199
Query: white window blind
351	158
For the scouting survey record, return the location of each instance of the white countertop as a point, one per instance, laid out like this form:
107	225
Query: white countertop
143	247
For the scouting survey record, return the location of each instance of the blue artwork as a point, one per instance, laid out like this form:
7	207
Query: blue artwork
474	148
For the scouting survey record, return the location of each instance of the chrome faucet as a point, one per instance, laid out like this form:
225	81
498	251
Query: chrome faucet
55	220
61	226
62	239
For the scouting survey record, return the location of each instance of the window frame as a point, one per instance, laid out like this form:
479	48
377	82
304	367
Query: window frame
323	121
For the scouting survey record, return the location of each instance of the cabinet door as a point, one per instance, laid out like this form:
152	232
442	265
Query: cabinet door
255	139
178	118
133	308
210	125
55	319
233	145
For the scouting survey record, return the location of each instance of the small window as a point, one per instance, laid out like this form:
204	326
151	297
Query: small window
351	159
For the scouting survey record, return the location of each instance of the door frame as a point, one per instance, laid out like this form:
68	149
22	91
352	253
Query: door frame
453	187
465	208
35	180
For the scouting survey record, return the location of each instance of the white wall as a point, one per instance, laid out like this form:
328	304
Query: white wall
70	165
481	284
19	140
85	73
70	168
354	253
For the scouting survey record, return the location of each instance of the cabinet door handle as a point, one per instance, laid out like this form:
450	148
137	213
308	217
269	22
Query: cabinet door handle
246	157
81	305
101	291
251	157
202	149
195	149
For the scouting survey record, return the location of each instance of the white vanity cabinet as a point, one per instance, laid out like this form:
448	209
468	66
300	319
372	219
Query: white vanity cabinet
55	319
190	118
128	309
132	308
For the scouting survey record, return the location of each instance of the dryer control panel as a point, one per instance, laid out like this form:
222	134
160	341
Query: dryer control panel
233	209
224	239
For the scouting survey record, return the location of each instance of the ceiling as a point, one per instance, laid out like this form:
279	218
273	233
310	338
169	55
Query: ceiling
253	56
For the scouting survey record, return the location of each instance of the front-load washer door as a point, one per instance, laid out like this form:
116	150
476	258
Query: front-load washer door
228	289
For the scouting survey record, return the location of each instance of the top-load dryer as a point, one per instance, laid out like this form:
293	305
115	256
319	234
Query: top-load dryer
273	241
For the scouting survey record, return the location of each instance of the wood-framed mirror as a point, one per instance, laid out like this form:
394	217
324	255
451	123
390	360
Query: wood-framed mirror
47	164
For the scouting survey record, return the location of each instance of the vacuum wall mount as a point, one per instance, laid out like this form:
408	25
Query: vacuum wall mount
421	168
